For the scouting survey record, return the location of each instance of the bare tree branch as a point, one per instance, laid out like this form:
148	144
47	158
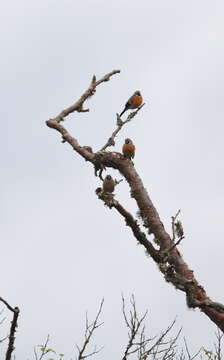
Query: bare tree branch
218	345
1	322
191	357
216	354
13	327
120	124
89	331
133	325
78	105
131	222
169	259
177	230
43	348
173	224
7	304
157	347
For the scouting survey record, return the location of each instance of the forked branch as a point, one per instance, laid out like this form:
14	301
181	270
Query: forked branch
167	256
89	331
120	124
159	347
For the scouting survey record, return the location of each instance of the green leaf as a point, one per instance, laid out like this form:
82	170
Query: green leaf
50	350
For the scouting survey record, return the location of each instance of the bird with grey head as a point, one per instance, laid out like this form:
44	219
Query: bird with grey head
128	149
133	102
108	184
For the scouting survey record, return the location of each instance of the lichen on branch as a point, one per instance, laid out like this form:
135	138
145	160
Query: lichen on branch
167	256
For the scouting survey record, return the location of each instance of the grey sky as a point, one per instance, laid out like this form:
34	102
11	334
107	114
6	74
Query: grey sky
61	250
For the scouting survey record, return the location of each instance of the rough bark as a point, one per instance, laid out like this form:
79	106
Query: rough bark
165	252
13	327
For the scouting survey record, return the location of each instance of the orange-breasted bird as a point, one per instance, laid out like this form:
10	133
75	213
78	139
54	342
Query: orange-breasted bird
134	102
108	184
128	149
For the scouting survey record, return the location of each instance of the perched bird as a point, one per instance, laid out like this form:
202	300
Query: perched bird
134	102
128	149
108	184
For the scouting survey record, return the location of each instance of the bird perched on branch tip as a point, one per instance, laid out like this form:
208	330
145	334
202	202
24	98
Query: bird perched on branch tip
128	149
133	102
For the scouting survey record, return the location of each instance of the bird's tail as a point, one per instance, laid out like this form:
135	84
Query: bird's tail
123	112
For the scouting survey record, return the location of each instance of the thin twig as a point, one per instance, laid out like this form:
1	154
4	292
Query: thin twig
1	321
173	224
44	347
218	346
154	348
138	343
120	124
133	324
89	330
35	353
190	357
3	339
171	347
78	105
117	182
7	304
175	244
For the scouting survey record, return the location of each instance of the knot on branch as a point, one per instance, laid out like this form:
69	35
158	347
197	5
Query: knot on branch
107	197
88	148
81	109
119	123
110	142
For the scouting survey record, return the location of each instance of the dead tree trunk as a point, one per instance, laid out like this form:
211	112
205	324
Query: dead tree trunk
164	249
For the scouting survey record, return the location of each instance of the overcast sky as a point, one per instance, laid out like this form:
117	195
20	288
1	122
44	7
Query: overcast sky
61	249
